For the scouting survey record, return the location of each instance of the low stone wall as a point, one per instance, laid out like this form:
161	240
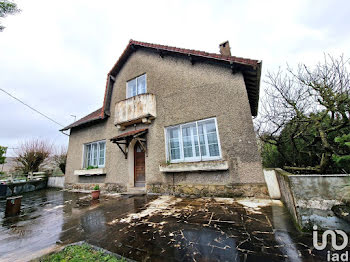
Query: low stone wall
309	198
56	181
233	190
22	187
318	187
287	196
107	187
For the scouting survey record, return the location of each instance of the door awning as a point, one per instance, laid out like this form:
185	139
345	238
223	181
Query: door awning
125	139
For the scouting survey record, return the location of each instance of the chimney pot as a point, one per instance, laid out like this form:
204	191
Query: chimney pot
225	48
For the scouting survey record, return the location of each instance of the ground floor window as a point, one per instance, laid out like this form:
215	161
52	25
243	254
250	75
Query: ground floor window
195	141
94	154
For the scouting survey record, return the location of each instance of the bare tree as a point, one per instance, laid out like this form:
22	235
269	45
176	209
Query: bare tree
60	158
31	154
305	99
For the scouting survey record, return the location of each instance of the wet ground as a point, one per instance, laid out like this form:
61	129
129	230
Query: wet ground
152	228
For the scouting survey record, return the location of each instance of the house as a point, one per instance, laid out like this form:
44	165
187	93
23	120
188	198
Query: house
173	120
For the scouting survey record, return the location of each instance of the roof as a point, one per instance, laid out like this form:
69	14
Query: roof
236	59
96	115
250	68
129	134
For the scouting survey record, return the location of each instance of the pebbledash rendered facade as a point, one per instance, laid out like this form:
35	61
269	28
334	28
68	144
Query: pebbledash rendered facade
173	120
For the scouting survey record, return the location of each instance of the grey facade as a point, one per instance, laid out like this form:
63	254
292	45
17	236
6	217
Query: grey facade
184	90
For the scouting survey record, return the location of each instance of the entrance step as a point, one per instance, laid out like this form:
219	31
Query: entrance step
135	191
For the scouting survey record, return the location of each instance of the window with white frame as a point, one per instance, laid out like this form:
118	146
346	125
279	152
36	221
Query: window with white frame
195	141
95	154
136	86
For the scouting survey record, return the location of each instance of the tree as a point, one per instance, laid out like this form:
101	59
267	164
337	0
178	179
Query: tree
304	110
60	158
32	154
343	159
270	156
2	154
7	8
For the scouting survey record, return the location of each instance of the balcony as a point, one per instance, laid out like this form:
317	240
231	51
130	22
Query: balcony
136	109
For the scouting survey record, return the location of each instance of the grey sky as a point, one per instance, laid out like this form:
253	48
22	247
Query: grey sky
55	55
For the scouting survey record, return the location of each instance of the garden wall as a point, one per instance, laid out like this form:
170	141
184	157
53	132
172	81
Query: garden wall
16	188
309	198
56	181
272	183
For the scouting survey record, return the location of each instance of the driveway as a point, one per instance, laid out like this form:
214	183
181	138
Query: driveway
155	228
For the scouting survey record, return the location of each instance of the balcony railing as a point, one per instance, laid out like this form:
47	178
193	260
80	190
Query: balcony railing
136	109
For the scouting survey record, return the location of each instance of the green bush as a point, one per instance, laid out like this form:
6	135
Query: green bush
342	160
91	167
271	158
2	154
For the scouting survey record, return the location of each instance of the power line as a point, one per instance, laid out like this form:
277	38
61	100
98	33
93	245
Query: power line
31	107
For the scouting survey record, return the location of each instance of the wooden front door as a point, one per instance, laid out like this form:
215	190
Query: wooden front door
139	166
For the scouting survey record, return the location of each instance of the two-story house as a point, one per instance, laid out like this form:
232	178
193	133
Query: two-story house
173	120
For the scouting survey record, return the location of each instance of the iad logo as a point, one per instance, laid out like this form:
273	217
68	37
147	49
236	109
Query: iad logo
332	256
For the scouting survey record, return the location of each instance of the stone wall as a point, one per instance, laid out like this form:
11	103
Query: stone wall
230	190
106	187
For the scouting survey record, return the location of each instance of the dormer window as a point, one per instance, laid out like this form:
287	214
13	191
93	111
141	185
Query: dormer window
136	86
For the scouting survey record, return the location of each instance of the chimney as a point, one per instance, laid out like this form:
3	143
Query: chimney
225	48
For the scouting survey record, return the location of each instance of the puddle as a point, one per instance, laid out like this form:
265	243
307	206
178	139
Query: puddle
152	228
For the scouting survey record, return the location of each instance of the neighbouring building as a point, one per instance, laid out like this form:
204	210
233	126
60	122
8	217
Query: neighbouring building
173	120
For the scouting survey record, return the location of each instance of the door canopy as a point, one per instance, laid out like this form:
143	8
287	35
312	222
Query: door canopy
123	140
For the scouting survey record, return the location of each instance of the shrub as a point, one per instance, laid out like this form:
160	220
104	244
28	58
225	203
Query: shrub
31	155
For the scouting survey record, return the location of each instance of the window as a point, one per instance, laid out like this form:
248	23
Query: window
136	86
195	141
94	154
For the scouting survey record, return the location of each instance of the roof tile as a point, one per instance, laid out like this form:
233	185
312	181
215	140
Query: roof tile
130	133
90	117
242	60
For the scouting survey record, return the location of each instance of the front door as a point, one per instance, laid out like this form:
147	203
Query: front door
139	166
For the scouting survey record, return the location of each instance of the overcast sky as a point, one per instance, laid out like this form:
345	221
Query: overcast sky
55	55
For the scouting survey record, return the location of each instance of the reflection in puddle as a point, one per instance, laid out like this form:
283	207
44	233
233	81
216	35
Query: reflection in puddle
94	221
287	246
206	243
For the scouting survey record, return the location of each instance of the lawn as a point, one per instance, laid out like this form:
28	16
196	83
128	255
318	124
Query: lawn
82	252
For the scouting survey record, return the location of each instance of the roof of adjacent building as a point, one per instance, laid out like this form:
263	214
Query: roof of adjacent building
94	116
251	71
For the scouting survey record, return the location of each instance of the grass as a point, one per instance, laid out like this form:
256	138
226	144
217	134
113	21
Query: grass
77	253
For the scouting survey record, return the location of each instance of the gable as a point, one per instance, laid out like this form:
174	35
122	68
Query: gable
251	70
